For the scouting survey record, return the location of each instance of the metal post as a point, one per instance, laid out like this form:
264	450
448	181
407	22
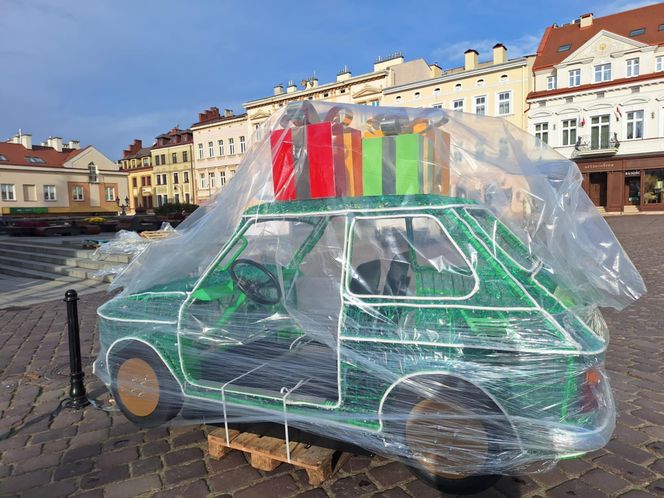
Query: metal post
77	396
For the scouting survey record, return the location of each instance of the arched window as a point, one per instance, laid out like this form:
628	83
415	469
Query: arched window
436	92
503	78
457	87
480	82
417	95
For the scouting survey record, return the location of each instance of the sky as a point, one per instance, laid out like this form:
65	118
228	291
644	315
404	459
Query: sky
107	71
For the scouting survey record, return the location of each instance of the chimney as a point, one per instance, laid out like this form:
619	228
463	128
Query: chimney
499	53
314	82
278	89
228	113
292	87
56	143
471	56
344	74
75	144
382	63
586	20
25	139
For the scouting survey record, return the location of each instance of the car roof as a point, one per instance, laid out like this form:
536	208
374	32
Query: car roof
368	203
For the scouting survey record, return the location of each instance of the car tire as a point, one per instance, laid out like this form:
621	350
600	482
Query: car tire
144	388
414	424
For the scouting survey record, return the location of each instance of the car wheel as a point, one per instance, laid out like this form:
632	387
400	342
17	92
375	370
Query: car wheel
143	387
449	429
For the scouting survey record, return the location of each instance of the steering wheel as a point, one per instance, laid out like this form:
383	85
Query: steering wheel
246	274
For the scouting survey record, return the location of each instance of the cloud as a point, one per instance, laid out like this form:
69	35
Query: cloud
517	47
605	9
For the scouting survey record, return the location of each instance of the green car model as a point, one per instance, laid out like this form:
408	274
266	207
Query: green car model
417	326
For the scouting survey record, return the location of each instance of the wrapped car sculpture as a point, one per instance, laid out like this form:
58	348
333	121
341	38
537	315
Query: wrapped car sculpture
401	279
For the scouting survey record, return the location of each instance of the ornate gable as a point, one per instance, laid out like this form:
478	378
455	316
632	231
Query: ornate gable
602	46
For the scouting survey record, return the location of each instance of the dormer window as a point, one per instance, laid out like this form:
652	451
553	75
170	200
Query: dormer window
35	160
637	32
3	157
564	48
93	173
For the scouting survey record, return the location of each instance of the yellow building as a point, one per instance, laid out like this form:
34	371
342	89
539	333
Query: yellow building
173	167
498	87
137	163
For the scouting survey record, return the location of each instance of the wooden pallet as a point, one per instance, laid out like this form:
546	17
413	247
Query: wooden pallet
268	452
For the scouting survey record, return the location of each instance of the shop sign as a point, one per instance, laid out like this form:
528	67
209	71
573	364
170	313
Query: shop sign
633	173
33	210
597	166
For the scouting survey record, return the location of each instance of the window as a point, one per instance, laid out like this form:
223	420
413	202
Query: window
436	92
653	186
77	193
637	32
200	151
49	193
211	149
660	27
569	131
231	146
551	83
423	261
7	192
93	173
220	143
457	105
232	172
176	180
659	63
202	180
243	145
29	193
185	156
564	48
634	125
397	98
3	157
457	87
211	180
222	178
174	158
416	96
109	194
157	161
599	132
480	105
504	78
187	199
575	77
143	181
602	72
158	179
163	179
35	160
542	132
177	198
632	67
504	103
134	182
438	106
148	180
480	83
163	159
146	161
186	176
160	201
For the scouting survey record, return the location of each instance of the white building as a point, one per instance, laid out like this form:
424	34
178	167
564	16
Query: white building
599	99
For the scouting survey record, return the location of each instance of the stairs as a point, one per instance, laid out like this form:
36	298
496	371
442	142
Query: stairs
53	261
630	209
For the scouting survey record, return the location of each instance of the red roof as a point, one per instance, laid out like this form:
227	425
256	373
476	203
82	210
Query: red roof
623	23
17	155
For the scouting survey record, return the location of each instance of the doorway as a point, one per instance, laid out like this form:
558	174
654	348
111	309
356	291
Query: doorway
597	190
633	190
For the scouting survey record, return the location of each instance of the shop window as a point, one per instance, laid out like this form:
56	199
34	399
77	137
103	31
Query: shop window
653	183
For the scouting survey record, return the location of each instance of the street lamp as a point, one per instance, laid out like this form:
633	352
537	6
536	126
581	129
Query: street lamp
123	206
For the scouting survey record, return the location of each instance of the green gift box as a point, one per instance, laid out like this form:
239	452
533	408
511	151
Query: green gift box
412	163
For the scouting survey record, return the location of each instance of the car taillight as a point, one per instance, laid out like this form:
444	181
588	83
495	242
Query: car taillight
589	389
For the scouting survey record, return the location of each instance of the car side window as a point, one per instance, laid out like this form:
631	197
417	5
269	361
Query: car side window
409	256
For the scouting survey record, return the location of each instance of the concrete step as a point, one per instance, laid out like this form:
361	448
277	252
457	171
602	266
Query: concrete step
630	209
57	249
37	274
51	268
90	264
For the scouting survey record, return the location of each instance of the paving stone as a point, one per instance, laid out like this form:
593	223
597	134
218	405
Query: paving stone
313	493
575	488
185	455
233	479
150	465
420	489
356	464
191	490
133	487
353	486
40	462
604	481
25	481
630	471
637	493
275	487
657	487
391	474
79	452
101	478
14	455
391	493
73	469
53	490
155	448
193	437
181	473
229	461
114	458
628	451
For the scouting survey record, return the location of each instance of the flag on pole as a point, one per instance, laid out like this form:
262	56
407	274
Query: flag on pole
583	122
618	113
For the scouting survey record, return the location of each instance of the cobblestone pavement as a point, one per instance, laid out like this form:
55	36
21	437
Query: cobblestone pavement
100	454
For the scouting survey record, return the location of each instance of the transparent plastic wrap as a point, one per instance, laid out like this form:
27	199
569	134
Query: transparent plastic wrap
418	283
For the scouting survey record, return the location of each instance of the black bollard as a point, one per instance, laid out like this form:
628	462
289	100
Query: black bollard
77	396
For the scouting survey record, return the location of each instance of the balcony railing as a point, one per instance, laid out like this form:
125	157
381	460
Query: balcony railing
598	145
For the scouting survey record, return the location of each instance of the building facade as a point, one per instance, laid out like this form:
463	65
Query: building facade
494	88
54	178
137	163
598	99
220	142
173	167
365	88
